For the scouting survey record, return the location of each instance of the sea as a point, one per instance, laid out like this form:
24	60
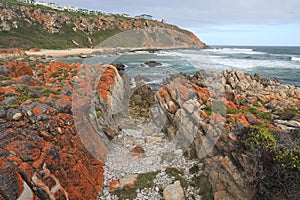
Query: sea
281	62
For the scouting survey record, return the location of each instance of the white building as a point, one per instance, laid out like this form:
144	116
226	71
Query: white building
83	10
41	3
27	1
71	8
124	15
54	6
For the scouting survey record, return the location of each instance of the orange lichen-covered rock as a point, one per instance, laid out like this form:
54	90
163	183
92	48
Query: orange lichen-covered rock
114	185
231	105
12	51
202	93
16	69
47	164
127	181
41	153
107	79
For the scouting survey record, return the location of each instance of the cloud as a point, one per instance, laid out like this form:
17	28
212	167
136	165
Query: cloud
271	22
200	13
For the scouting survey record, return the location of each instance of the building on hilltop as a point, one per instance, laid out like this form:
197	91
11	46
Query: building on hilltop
27	1
53	6
71	8
92	12
40	3
161	20
144	16
124	15
86	11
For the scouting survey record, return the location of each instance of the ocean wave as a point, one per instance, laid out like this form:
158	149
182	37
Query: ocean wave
220	62
233	51
295	59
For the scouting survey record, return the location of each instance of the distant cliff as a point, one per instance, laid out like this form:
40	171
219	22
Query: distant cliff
29	26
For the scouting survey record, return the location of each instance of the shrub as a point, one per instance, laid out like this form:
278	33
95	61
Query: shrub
266	116
207	110
289	159
270	163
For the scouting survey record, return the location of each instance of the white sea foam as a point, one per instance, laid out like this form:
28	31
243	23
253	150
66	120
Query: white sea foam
233	51
297	59
250	63
204	59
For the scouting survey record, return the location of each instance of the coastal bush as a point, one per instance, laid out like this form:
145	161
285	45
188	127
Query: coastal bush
205	187
260	115
5	78
145	180
11	106
178	175
47	91
232	111
289	159
33	93
194	169
272	163
207	110
259	138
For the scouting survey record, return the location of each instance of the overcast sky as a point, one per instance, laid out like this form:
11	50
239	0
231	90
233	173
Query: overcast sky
216	22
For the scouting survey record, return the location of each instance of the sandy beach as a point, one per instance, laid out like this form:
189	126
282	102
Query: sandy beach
88	51
60	53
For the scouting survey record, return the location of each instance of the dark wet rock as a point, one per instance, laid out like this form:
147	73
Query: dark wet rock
152	63
9	180
119	66
4	71
11	101
2	112
29	80
13	114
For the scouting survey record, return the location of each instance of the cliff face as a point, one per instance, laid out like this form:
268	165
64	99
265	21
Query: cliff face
31	26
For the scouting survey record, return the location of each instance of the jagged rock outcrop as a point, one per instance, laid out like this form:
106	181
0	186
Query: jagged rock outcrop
56	120
202	112
43	155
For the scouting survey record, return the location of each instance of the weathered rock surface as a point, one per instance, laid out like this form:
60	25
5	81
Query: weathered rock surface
174	192
42	156
202	110
56	120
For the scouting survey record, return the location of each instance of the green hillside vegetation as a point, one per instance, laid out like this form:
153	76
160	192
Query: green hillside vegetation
29	37
34	36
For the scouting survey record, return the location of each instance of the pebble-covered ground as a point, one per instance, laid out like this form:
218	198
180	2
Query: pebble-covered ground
157	156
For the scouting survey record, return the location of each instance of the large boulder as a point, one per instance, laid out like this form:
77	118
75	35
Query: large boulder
43	153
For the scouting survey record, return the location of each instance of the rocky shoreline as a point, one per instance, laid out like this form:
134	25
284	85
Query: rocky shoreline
221	135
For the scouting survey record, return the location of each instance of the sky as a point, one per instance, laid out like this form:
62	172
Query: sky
216	22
